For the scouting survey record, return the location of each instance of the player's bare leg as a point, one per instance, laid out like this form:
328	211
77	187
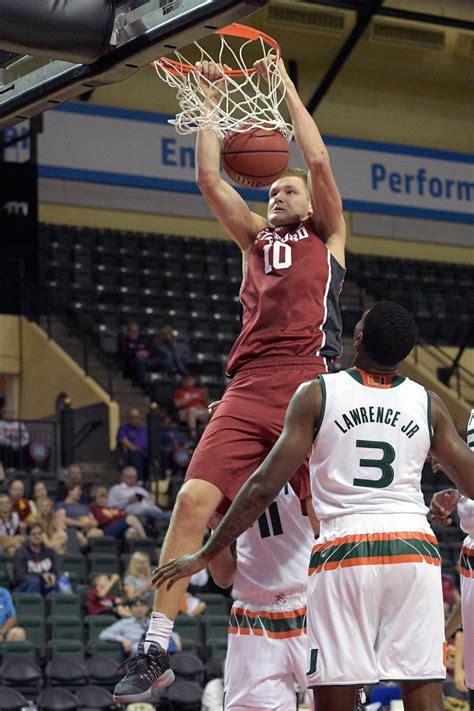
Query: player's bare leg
150	669
196	502
422	695
330	698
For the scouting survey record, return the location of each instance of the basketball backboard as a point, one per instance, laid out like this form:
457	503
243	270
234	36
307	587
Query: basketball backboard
143	31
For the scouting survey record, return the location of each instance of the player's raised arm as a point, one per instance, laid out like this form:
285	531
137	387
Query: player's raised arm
450	450
229	208
325	197
263	486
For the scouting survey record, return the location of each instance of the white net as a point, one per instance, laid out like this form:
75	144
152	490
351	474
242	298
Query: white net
247	99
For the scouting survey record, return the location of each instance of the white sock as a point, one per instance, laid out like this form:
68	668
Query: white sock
159	631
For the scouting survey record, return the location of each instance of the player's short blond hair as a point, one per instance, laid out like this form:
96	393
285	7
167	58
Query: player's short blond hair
295	173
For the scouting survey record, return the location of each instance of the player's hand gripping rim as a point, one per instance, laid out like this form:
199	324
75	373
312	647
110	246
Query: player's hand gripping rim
178	568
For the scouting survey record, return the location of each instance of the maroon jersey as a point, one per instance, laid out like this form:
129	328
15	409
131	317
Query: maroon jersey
289	294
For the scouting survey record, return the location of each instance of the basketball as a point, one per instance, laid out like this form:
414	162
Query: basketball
256	157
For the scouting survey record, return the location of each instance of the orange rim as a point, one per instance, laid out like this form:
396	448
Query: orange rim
180	69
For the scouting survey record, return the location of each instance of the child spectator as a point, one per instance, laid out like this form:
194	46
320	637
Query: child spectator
7	613
114	521
34	564
137	578
20	503
79	515
16	634
53	524
100	599
11	530
191	404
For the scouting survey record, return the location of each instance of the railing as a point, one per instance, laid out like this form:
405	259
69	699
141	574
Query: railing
443	361
18	296
31	444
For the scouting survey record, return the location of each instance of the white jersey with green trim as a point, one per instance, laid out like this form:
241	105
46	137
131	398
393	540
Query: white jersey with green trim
465	507
273	554
372	440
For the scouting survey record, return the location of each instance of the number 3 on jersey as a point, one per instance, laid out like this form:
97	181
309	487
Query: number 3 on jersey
276	256
384	464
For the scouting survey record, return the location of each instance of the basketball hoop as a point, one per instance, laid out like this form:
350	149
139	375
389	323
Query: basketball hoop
248	100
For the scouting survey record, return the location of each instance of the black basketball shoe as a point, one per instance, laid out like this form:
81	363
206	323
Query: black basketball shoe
146	672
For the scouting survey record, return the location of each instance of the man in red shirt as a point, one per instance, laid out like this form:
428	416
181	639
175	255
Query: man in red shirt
293	264
191	403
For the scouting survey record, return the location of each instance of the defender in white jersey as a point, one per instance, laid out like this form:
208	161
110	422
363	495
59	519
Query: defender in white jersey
376	579
442	506
267	627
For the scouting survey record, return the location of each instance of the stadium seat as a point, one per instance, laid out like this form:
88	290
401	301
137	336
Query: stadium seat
187	666
19	650
95	698
103	671
29	603
189	628
216	604
65	605
52	699
96	623
11	699
144	545
185	695
65	671
216	646
104	544
103	563
103	648
34	626
24	675
216	626
75	564
65	627
67	649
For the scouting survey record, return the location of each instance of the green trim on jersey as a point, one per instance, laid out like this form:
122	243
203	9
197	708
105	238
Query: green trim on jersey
396	379
380	551
323	407
428	414
240	620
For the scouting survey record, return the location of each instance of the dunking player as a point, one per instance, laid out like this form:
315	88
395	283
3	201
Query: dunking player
293	273
267	632
442	506
375	607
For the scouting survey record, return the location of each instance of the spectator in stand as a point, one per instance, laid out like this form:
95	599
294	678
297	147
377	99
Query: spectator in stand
53	524
166	355
79	515
20	503
177	448
39	491
113	521
132	346
11	529
133	438
14	441
130	631
191	403
100	599
16	634
74	476
135	499
137	578
7	613
34	564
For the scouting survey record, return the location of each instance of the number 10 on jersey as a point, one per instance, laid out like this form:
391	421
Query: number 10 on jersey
276	256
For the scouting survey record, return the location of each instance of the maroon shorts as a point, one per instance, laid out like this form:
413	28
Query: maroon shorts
248	422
